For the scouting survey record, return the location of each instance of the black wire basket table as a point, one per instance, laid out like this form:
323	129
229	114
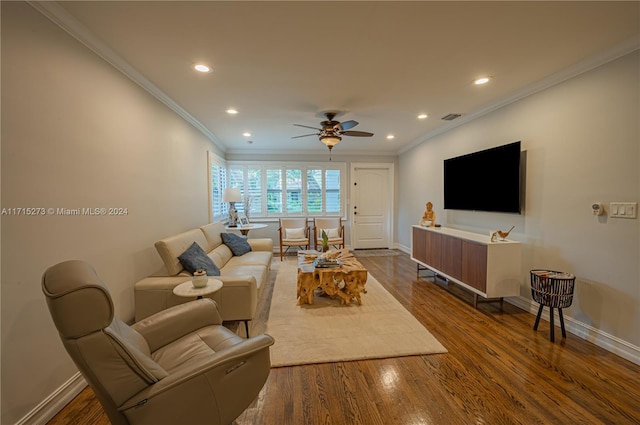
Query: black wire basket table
553	289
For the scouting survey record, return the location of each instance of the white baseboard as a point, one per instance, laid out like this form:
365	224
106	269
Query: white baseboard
602	339
49	407
582	330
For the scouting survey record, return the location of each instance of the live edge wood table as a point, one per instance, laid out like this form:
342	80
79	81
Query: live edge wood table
346	282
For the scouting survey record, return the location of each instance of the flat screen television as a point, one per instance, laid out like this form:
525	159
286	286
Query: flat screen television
487	180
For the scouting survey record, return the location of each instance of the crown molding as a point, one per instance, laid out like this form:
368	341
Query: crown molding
572	71
59	16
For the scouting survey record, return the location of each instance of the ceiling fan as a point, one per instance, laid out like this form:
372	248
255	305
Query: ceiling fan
332	131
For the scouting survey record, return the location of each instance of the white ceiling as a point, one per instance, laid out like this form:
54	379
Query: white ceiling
379	63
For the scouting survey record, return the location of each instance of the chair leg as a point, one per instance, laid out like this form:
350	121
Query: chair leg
535	326
280	251
564	333
246	327
552	335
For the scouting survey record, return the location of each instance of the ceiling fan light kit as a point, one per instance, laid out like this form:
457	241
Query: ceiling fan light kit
332	131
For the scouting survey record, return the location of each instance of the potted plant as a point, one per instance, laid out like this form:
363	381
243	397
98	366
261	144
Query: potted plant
325	241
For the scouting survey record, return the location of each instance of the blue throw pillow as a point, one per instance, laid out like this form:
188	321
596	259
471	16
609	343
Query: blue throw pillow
236	243
195	258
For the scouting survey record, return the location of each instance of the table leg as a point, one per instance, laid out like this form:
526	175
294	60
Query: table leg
564	333
552	337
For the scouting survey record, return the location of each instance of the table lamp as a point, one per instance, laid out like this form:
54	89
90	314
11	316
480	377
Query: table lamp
232	195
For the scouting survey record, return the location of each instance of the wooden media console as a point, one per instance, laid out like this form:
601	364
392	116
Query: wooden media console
488	269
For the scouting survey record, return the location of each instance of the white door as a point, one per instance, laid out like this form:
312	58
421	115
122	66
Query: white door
371	205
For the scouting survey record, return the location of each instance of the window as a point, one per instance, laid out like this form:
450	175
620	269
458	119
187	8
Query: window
277	189
274	191
314	191
294	191
217	183
332	191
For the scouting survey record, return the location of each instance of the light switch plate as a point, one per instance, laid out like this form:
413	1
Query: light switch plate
624	209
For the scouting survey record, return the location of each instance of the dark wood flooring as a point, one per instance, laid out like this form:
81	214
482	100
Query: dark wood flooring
498	371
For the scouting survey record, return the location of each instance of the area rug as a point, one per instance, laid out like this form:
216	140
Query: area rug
329	332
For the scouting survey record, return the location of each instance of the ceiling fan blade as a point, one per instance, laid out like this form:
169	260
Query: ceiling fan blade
305	135
346	125
356	133
306	126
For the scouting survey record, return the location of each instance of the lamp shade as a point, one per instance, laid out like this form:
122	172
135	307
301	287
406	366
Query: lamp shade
330	141
231	194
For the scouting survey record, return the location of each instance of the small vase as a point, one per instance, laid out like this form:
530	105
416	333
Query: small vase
200	281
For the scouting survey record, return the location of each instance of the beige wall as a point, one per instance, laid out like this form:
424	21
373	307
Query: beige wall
582	142
77	133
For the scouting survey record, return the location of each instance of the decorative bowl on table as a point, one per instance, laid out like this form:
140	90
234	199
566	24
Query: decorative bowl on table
199	279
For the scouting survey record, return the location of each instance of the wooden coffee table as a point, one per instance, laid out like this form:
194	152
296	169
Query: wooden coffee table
346	282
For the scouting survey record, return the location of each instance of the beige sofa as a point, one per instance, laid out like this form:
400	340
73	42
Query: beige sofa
242	276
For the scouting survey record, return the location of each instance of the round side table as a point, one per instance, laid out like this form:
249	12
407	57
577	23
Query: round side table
245	229
186	289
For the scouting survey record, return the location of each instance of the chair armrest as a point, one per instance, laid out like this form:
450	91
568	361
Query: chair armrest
222	361
175	322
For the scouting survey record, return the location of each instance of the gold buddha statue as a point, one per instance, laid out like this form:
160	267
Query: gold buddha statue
429	216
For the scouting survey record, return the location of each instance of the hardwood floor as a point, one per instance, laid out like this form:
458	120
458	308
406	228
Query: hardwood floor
498	371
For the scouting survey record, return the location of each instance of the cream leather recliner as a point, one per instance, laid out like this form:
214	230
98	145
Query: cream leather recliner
179	366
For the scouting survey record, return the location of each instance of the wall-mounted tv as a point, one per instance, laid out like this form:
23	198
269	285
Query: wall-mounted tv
487	180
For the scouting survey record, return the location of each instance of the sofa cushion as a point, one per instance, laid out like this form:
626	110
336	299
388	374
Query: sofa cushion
253	258
251	272
212	233
221	255
236	243
170	248
195	258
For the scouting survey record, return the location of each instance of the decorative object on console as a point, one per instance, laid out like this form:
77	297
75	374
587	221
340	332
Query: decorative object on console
232	195
503	235
199	278
247	205
429	216
243	220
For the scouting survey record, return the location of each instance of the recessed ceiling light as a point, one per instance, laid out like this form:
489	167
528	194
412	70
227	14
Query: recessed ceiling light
232	111
481	81
390	136
422	116
246	134
200	67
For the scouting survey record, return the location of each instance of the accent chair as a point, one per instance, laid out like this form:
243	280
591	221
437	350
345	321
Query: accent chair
178	366
294	232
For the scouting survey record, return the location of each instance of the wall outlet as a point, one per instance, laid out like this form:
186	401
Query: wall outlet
623	209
